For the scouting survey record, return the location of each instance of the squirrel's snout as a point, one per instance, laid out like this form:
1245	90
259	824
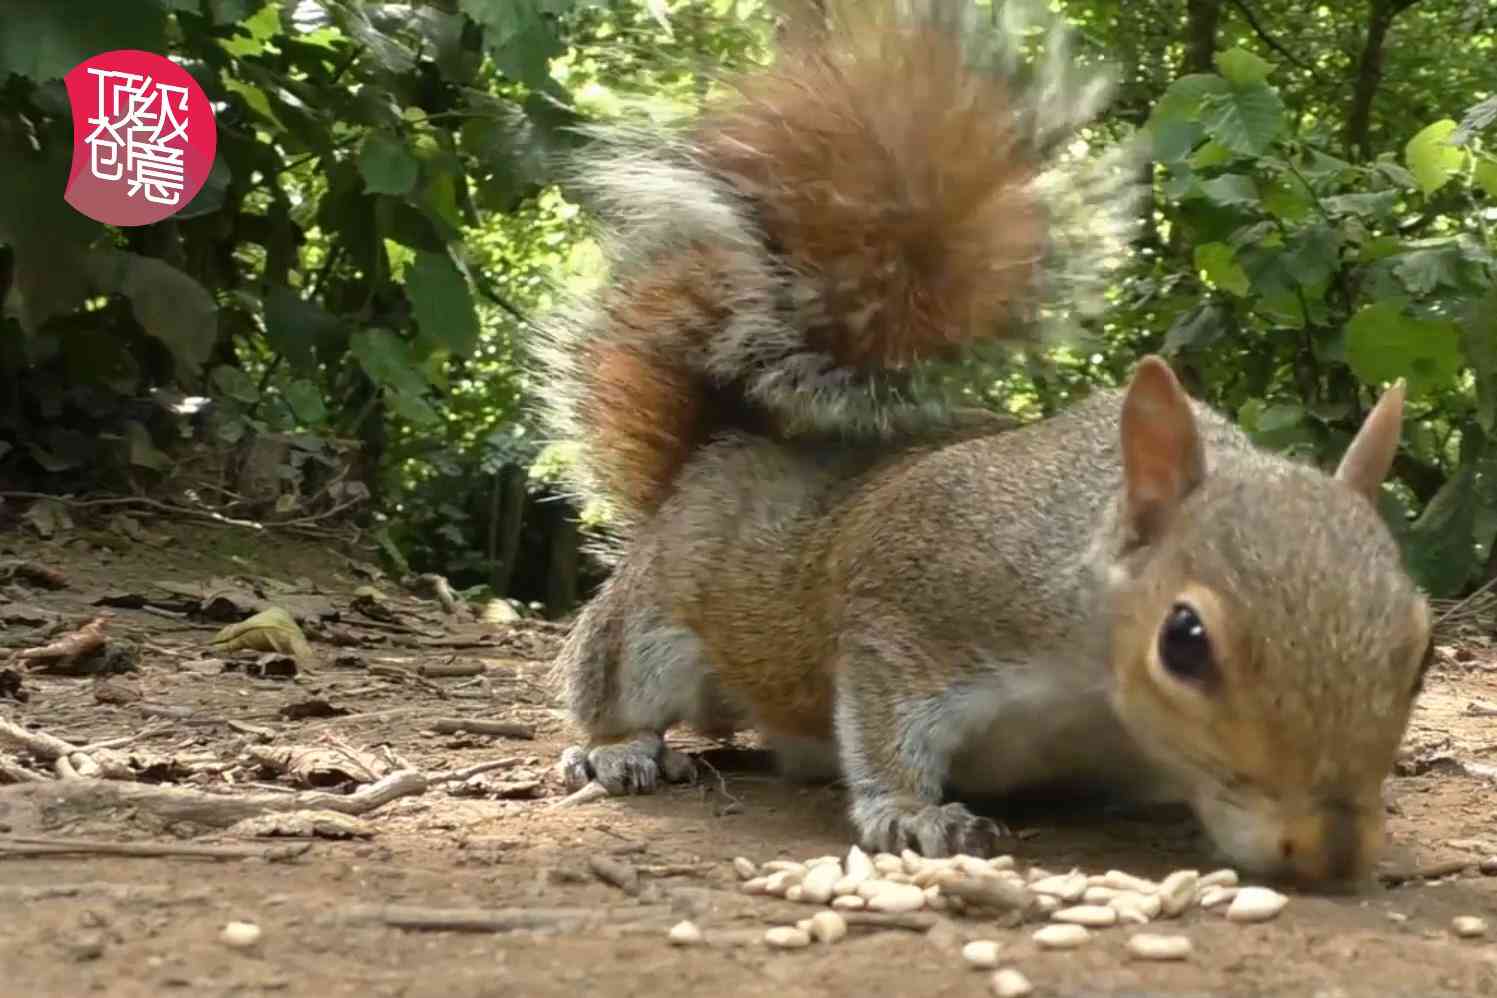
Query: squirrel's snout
1336	843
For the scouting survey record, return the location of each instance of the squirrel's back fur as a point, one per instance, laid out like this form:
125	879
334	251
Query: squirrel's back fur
887	194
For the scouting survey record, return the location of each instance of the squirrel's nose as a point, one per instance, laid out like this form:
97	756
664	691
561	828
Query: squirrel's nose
1336	843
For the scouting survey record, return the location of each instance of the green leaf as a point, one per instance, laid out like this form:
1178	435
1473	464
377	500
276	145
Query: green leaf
1220	266
1199	327
1396	174
1211	154
388	360
43	39
412	408
1286	199
1485	175
1369	206
519	36
442	302
387	165
1383	344
295	327
234	383
1315	254
1479	340
305	401
1184	98
1243	67
142	449
167	303
1431	159
1246	120
1231	189
1441	543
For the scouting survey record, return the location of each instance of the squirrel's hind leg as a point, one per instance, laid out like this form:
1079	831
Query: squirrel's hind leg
629	676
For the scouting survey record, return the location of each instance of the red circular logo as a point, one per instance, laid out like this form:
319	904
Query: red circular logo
143	137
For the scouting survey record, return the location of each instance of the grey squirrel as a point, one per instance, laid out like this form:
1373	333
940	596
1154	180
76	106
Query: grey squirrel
914	597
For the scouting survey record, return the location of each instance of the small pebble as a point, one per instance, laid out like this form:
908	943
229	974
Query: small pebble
1095	916
240	935
897	897
1213	896
1488	866
828	926
1469	926
1048	904
1151	946
783	866
1177	891
795	893
981	953
684	934
1256	904
787	937
804	925
822	861
1009	983
1397	917
972	866
1061	936
1100	895
1001	863
745	868
1037	873
912	861
933	899
758	885
899	878
1219	878
849	902
886	864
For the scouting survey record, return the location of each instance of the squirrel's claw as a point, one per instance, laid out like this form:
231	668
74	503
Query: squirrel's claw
634	766
935	831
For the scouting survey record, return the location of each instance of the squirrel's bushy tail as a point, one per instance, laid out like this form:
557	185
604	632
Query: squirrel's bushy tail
892	190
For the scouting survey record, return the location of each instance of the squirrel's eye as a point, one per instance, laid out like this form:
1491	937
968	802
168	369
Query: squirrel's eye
1184	647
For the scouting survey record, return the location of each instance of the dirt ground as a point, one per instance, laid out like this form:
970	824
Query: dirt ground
85	922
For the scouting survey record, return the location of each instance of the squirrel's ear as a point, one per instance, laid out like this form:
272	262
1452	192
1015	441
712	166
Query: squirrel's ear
1163	459
1370	457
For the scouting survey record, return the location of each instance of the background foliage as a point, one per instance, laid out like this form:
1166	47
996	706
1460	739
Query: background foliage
331	329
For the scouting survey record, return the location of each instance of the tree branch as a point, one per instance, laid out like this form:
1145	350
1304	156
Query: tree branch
1270	41
1370	75
1201	19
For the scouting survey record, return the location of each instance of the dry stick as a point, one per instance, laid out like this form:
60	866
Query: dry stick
498	919
467	773
26	846
448	669
215	810
474	726
17	773
47	747
1433	871
585	795
611	871
915	921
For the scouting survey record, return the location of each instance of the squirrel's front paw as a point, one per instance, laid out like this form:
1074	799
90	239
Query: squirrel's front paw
628	767
933	830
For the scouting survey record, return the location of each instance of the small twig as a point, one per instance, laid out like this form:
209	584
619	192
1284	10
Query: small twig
1433	871
65	770
24	846
499	919
14	772
214	810
475	726
467	773
149	731
611	871
48	748
915	921
435	670
584	795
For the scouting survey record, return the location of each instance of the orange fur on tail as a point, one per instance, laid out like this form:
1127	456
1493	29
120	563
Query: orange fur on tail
894	179
885	195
